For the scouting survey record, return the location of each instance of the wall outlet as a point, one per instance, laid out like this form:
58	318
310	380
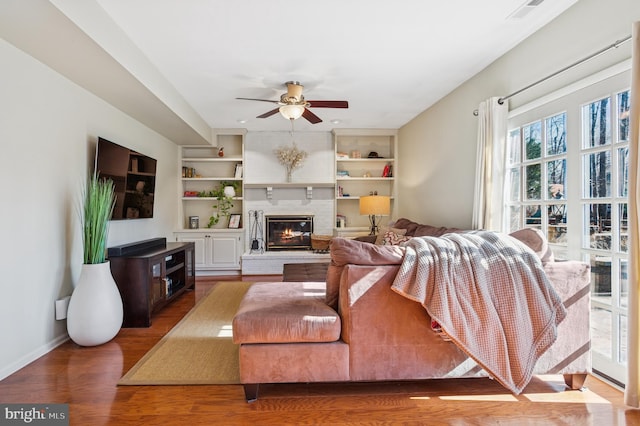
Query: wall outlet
61	308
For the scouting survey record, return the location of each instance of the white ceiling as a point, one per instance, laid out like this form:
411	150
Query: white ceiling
390	60
178	66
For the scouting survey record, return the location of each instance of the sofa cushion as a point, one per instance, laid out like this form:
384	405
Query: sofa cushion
415	229
345	251
391	238
384	230
285	313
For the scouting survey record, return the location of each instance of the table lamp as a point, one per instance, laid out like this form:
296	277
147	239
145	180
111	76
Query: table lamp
375	205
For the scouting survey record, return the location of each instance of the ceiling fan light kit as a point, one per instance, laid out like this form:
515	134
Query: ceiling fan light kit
292	112
293	105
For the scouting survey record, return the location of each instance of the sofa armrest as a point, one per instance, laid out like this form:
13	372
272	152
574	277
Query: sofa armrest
346	251
365	295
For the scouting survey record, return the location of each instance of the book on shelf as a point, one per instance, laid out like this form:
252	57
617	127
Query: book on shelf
238	173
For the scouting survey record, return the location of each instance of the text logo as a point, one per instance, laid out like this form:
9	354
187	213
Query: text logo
36	414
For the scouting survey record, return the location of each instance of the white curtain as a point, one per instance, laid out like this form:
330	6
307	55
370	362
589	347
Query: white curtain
488	200
632	388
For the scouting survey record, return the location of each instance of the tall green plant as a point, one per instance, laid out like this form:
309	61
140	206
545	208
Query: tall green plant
99	201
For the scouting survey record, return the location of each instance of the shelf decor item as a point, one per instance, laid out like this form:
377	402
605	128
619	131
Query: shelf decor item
224	193
95	312
291	158
234	221
229	191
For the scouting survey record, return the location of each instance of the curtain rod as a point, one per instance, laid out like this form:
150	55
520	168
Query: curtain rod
614	45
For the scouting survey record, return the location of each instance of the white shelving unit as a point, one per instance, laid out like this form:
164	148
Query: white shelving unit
203	170
358	175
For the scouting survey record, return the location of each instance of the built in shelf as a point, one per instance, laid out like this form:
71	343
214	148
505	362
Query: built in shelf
365	159
208	198
354	197
211	178
363	178
212	229
211	159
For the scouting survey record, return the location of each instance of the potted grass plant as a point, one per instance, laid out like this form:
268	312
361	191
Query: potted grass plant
95	311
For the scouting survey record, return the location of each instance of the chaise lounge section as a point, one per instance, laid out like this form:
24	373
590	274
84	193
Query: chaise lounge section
356	328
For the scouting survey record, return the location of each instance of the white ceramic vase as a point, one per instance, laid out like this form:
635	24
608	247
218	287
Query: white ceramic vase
95	311
229	191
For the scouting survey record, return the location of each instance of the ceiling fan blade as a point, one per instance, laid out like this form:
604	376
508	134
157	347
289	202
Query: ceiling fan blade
311	117
260	100
328	104
269	114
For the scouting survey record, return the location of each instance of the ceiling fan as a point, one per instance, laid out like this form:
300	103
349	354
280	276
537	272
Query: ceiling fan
292	105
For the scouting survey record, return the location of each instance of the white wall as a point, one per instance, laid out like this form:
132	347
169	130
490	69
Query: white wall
437	149
259	153
48	129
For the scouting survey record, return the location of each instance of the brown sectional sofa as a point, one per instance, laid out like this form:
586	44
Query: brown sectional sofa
357	329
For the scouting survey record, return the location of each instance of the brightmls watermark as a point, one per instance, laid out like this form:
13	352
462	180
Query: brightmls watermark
36	414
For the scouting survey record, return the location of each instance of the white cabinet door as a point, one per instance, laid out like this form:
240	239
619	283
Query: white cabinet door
215	250
225	251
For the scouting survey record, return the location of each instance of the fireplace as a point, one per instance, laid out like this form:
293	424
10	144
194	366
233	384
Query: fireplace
288	232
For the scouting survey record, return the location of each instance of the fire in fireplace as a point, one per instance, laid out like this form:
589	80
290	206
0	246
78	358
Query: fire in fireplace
289	232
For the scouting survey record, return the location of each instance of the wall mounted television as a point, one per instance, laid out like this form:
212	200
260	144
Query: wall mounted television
134	176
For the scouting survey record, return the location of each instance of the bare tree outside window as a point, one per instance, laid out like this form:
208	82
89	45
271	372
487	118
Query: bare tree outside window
623	116
556	134
623	172
598	165
596	117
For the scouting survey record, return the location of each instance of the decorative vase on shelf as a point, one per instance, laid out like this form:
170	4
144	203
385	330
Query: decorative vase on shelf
229	191
289	174
95	310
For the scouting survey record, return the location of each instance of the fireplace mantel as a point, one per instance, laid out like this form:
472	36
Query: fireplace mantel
308	187
290	185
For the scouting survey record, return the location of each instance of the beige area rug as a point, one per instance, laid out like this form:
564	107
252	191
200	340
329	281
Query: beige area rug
199	349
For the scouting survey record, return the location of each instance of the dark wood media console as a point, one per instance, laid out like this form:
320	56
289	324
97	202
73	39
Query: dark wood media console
150	274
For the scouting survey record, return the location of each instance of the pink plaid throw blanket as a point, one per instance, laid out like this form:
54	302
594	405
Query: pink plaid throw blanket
491	296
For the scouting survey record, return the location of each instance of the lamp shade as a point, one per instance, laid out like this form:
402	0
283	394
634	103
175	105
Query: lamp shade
292	112
379	205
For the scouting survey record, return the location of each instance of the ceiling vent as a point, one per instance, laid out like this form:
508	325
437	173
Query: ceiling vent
524	9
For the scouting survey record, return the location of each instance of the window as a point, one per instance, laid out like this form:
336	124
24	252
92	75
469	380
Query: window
567	175
605	162
543	164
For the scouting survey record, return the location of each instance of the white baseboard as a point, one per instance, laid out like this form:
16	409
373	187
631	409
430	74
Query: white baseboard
32	356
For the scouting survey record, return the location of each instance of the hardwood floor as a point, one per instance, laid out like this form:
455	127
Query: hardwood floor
86	378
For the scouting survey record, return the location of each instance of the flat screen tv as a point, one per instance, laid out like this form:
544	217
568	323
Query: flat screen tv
134	176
